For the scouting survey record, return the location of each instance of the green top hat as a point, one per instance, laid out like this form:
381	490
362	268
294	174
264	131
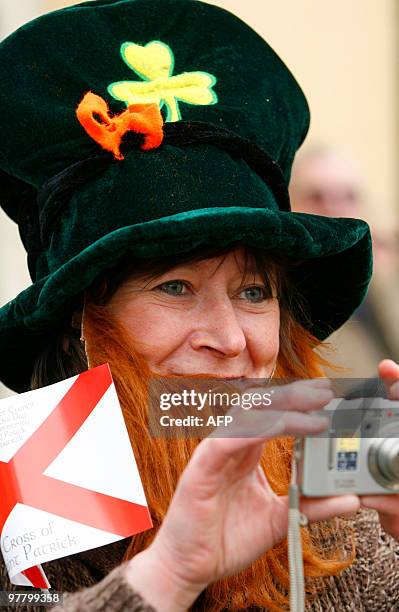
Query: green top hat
234	118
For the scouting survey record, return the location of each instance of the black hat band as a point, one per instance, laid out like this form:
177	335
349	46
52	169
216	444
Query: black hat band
56	192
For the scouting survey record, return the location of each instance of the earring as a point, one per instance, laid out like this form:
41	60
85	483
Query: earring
271	375
82	332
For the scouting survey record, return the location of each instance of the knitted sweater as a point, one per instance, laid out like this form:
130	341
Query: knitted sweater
93	581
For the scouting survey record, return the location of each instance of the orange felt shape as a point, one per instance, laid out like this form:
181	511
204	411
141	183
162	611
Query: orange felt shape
93	114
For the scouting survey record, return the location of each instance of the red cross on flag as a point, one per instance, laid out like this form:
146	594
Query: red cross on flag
68	476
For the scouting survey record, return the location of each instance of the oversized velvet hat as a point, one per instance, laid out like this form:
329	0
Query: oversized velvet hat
153	127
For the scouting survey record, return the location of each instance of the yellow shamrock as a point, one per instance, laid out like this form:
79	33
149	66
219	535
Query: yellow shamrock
154	63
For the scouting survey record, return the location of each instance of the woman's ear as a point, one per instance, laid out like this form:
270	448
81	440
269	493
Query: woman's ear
76	320
65	344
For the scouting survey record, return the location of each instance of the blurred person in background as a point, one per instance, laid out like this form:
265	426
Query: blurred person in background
327	181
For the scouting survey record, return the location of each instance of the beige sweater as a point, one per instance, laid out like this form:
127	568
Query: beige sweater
92	581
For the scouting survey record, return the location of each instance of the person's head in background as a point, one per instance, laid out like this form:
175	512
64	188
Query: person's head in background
325	181
329	181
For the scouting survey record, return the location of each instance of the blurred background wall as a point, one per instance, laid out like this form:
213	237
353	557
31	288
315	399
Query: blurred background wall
345	56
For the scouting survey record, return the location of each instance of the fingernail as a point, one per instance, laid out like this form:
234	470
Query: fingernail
319	421
394	390
324	394
323	383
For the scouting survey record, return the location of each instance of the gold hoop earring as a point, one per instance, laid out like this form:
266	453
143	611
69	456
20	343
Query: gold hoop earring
271	375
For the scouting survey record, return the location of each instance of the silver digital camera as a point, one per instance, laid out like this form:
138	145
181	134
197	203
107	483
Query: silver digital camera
359	453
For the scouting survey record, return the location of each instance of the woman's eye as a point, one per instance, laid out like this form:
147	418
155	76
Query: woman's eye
255	294
172	287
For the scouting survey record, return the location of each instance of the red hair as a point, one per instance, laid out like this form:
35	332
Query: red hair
265	582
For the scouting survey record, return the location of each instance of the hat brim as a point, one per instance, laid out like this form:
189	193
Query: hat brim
335	270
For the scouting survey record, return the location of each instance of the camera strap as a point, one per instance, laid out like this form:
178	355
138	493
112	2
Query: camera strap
296	520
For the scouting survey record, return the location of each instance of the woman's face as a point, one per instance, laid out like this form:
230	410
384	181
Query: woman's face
202	318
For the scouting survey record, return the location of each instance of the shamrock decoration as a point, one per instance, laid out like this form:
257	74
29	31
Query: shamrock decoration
154	63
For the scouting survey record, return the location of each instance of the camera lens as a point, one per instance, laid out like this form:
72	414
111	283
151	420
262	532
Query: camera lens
383	462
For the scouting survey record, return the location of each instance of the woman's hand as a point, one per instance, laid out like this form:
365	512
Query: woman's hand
224	514
387	505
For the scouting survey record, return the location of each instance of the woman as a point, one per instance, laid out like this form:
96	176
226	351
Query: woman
167	246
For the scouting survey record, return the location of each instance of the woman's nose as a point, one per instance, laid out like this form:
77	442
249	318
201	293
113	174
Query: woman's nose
216	327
